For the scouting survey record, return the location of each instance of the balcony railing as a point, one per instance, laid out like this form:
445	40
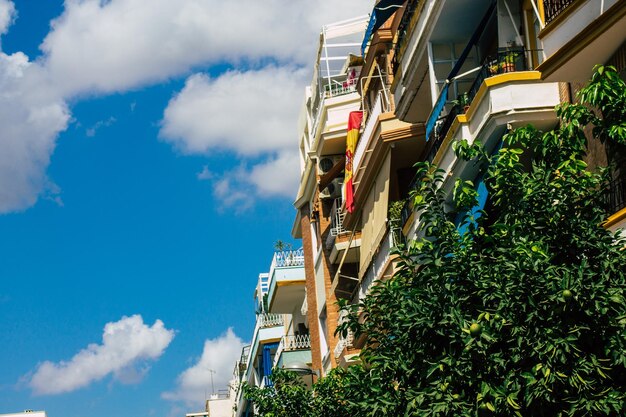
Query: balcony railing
377	265
343	342
340	87
290	343
289	258
553	8
404	29
270	320
381	105
616	195
501	63
296	342
336	220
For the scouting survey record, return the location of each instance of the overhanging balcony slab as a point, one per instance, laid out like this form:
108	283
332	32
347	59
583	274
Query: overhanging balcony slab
587	33
286	292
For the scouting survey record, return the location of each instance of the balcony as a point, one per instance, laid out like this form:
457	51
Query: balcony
270	320
381	105
579	34
405	28
293	349
553	8
501	63
379	264
287	279
616	196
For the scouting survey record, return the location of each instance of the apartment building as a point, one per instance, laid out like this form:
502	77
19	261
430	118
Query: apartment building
474	70
412	78
329	100
281	336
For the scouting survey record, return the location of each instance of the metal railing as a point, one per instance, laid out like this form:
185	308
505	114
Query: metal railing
343	342
404	29
376	267
270	320
553	8
616	195
289	258
336	220
381	105
512	60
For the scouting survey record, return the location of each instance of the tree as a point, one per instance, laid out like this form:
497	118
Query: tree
289	396
519	310
523	313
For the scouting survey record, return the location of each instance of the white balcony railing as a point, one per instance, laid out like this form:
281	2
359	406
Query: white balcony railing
270	320
343	342
289	258
377	266
336	226
380	106
290	343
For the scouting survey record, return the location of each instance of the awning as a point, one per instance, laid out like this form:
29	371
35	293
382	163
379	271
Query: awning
381	13
443	96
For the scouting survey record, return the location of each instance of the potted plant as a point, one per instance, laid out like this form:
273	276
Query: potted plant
508	63
462	100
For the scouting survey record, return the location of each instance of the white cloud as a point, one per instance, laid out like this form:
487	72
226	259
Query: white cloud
277	177
219	355
7	15
115	45
252	114
246	112
91	132
31	117
126	347
104	46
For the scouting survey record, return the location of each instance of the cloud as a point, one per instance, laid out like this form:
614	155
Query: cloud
245	112
126	347
98	47
219	355
252	114
31	117
115	45
205	174
91	132
7	15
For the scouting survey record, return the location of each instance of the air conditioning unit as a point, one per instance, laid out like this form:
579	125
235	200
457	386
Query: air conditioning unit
325	163
333	190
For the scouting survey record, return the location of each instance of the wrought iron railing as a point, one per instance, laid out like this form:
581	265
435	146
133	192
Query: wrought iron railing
289	258
616	195
403	33
553	8
506	61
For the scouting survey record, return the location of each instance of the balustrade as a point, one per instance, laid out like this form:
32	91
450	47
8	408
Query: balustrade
289	258
553	8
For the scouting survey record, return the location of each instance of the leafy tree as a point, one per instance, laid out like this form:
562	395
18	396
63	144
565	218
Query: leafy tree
524	313
521	313
289	396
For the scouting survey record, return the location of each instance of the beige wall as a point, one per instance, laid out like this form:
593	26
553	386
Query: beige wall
374	215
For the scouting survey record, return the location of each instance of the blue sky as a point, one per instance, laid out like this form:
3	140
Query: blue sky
147	165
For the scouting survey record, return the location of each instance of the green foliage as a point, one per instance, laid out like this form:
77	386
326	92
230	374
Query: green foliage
522	315
290	397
